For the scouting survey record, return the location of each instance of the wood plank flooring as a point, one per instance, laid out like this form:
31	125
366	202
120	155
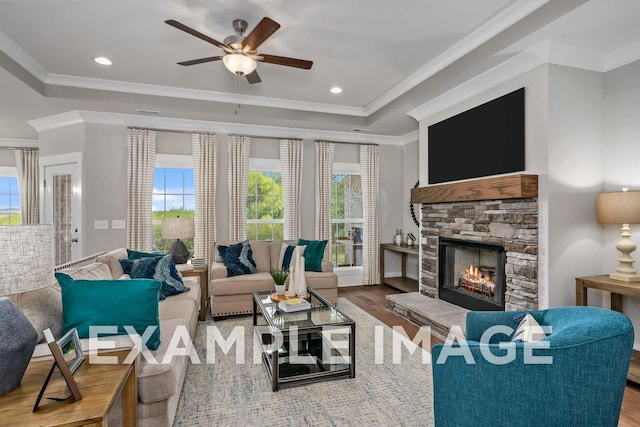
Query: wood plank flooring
372	300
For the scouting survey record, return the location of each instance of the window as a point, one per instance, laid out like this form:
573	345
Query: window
265	202
173	197
9	200
346	216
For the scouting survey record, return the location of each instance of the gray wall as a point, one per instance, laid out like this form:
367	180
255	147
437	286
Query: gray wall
7	158
621	159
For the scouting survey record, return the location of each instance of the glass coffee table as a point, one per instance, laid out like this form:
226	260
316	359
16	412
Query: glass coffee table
304	346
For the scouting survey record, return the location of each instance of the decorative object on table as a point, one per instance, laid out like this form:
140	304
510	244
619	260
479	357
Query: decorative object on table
622	207
411	239
397	239
297	280
197	262
292	305
280	279
67	356
26	266
412	208
178	228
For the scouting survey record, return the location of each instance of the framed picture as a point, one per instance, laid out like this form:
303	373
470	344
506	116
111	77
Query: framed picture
67	355
71	350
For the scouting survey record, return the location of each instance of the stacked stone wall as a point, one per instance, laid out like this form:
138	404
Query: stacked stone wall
512	223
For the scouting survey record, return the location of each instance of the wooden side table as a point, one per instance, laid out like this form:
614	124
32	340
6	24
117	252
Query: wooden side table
203	277
617	289
403	282
99	384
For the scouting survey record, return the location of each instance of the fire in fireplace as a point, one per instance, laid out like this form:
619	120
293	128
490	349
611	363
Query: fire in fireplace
471	274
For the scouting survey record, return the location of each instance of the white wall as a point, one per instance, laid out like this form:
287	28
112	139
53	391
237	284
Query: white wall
621	163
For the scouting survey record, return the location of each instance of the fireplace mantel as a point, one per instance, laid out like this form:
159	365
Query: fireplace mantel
519	186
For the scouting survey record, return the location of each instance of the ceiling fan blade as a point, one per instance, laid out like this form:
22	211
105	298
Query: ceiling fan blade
260	33
200	60
195	33
289	62
253	77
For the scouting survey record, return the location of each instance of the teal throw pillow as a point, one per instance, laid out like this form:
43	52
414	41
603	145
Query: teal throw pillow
137	254
161	268
114	302
313	254
238	259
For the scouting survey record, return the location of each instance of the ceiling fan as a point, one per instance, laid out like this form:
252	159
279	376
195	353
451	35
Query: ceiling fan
241	52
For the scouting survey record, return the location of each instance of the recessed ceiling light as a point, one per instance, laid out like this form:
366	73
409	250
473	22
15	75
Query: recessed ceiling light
102	60
336	89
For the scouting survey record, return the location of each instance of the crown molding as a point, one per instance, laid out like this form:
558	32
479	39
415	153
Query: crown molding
19	143
489	29
21	57
188	125
197	94
622	56
56	121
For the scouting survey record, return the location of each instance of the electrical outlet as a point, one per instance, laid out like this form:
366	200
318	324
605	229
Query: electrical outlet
118	224
101	224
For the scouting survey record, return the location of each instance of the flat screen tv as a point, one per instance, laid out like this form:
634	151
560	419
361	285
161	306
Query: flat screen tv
486	140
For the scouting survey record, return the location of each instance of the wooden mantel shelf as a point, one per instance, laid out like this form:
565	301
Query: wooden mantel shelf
519	186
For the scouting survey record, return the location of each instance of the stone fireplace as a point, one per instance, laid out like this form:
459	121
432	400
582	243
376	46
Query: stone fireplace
471	274
490	224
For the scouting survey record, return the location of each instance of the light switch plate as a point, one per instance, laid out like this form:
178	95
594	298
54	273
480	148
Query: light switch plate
118	224
101	224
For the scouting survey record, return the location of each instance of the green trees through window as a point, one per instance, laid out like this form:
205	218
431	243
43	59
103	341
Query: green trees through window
265	206
173	197
346	220
9	200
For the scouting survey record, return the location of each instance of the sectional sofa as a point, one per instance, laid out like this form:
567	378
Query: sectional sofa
234	295
159	385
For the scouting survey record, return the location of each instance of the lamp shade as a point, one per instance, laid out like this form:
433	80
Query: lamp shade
238	63
621	207
27	264
178	228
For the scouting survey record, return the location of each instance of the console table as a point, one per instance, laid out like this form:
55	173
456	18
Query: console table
403	283
99	384
617	289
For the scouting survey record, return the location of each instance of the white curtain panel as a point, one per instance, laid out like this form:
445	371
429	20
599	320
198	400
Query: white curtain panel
324	174
204	150
27	163
369	170
141	163
291	160
238	180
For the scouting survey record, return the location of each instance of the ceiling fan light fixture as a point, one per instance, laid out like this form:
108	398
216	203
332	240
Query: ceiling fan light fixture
239	64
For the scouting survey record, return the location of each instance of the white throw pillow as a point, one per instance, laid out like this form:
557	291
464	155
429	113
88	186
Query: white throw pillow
295	251
529	330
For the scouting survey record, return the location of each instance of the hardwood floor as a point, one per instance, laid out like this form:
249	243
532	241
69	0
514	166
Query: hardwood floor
372	300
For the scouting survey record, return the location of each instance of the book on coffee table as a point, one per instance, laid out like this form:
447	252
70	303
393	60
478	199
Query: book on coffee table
294	304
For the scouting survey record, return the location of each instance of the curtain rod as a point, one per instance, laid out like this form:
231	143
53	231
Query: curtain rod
255	136
5	147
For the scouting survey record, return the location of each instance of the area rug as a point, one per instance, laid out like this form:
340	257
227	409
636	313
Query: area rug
225	393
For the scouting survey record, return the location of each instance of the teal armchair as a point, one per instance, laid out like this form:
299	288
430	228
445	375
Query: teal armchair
589	347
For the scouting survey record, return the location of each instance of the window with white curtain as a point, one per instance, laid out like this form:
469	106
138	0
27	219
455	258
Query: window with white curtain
173	195
346	215
9	197
265	200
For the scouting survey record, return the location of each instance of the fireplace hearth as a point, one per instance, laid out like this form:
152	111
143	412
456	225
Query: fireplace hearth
471	274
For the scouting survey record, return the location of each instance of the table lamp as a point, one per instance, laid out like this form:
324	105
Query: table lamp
178	228
26	265
622	207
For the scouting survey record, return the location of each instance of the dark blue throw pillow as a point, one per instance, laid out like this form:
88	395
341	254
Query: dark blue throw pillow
161	268
238	259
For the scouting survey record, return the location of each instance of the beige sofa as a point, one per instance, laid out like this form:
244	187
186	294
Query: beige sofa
234	295
159	385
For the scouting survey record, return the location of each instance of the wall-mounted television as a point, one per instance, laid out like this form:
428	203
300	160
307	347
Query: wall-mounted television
483	141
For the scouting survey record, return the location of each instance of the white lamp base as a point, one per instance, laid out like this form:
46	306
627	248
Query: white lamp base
624	278
625	271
